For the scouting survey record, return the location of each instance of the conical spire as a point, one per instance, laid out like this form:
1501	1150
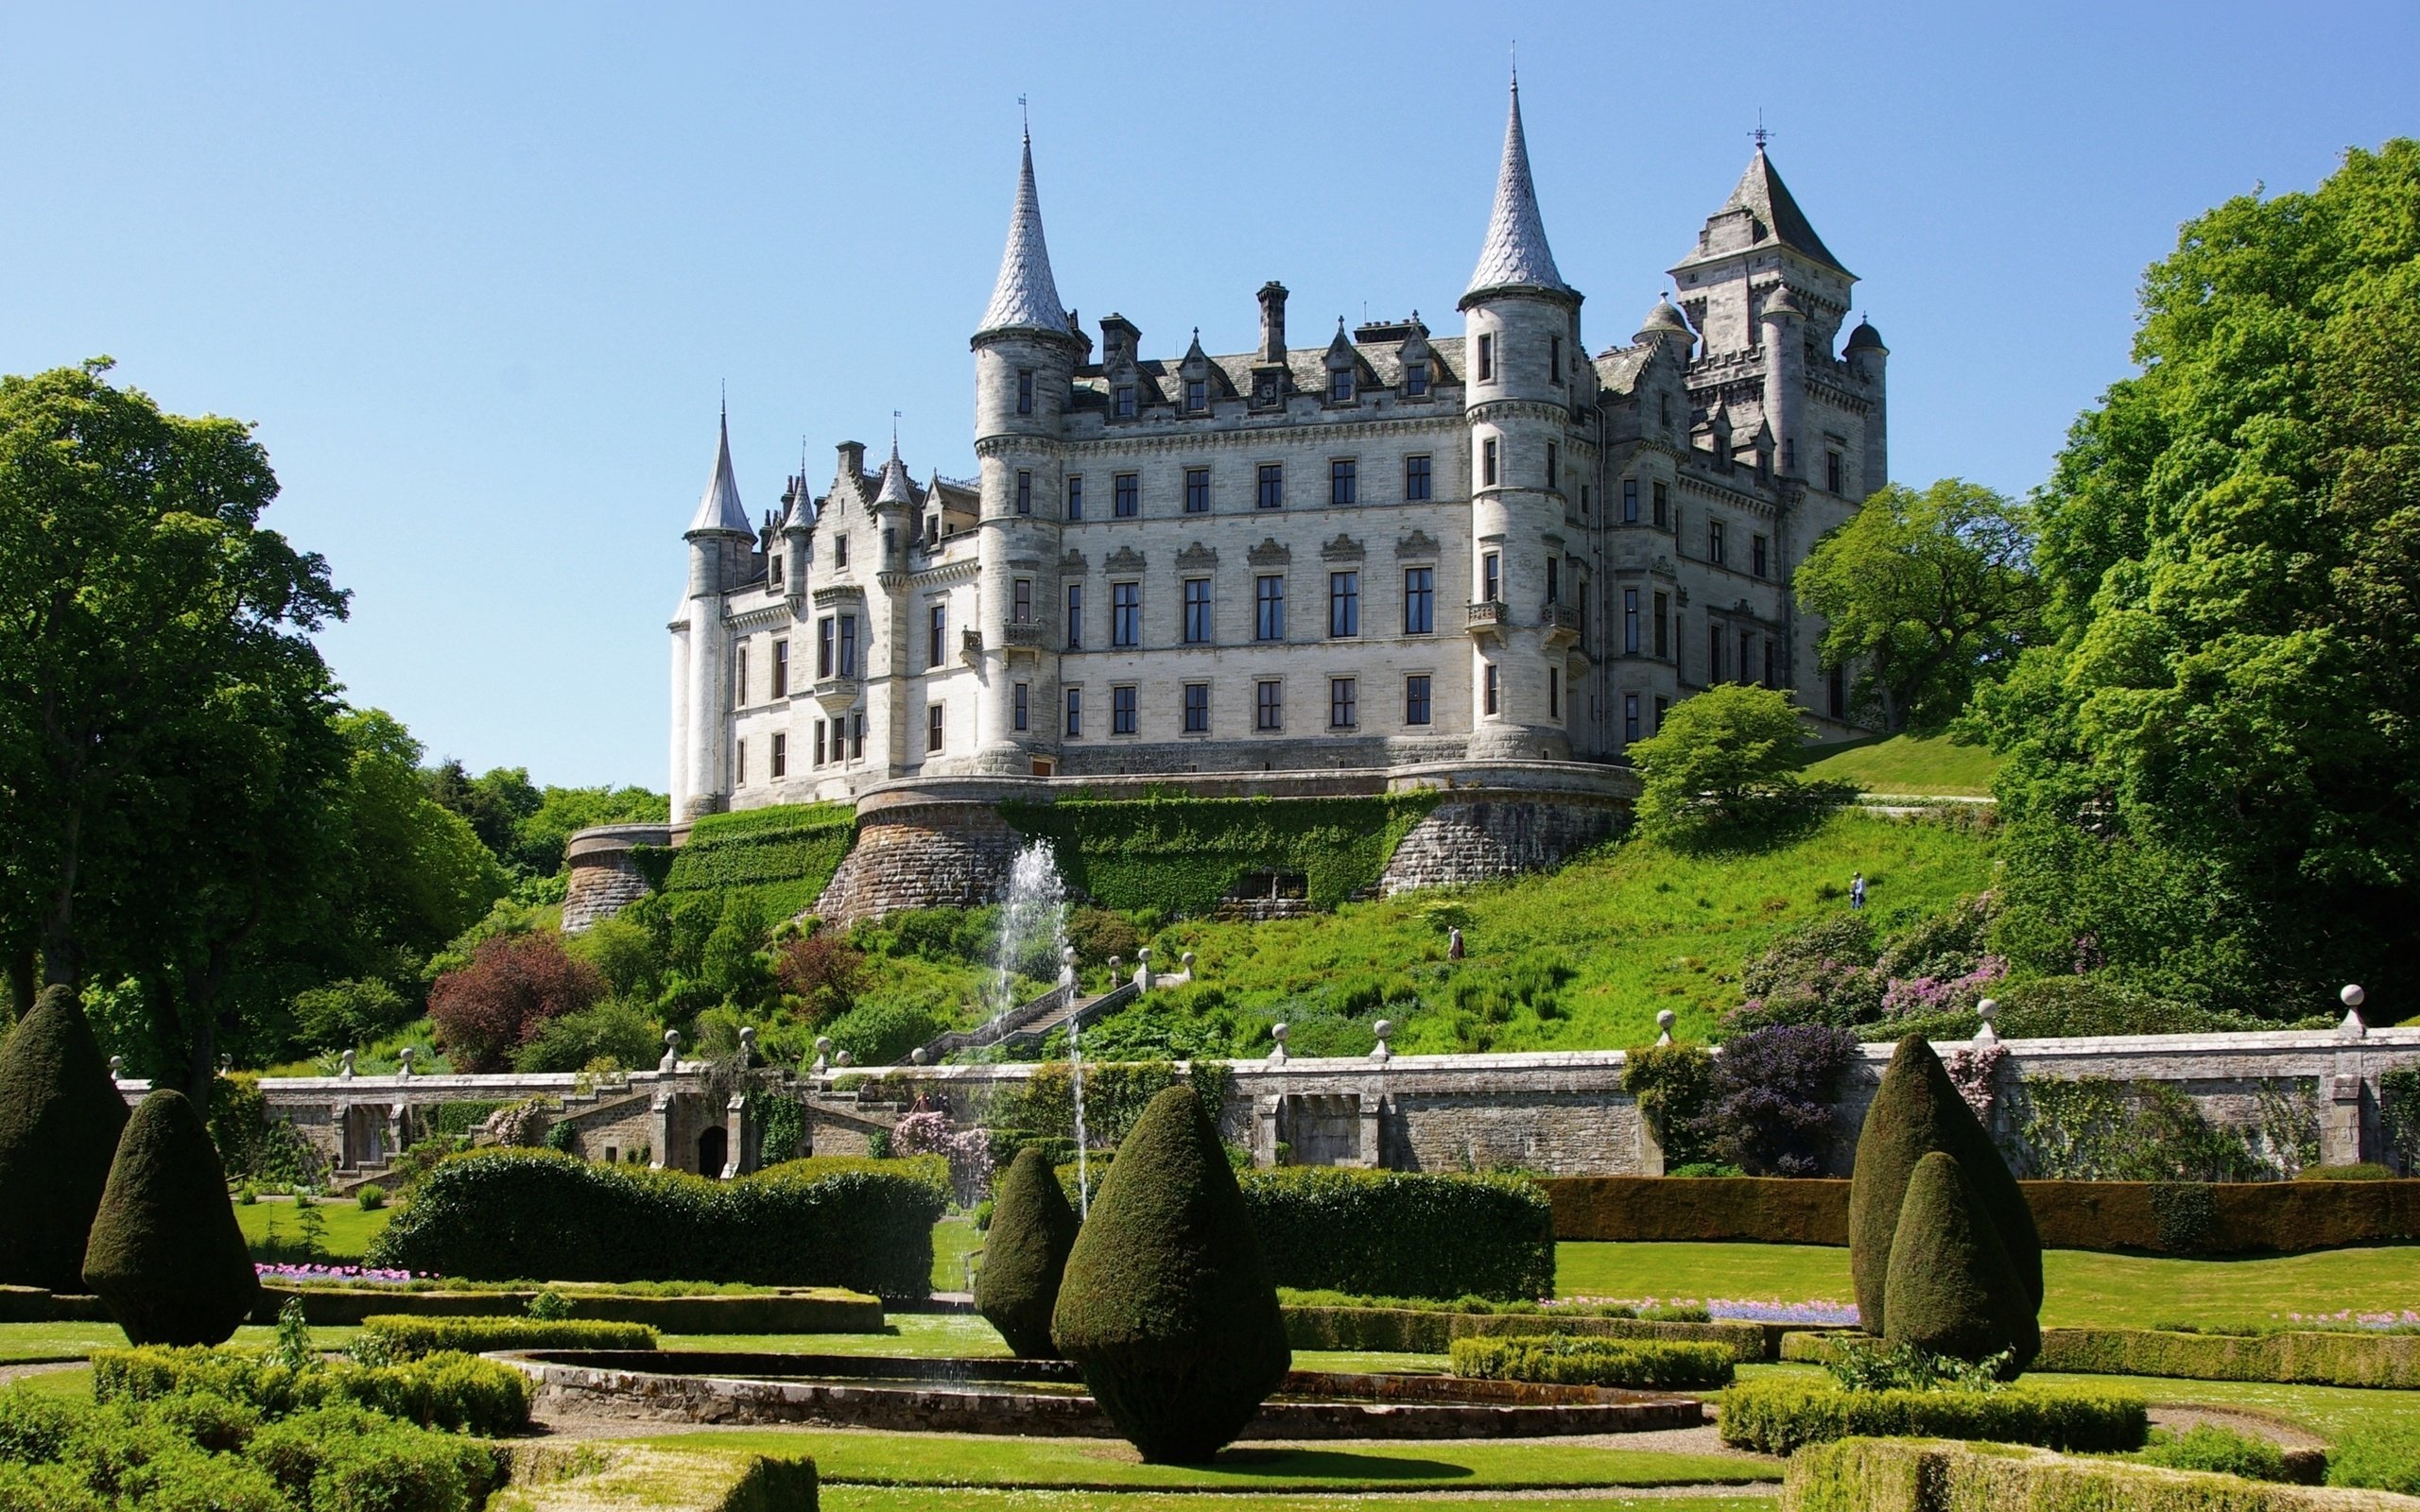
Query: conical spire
1515	255
1025	297
719	508
895	488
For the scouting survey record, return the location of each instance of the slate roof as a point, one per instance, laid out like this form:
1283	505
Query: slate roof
718	507
1025	297
1761	193
1515	254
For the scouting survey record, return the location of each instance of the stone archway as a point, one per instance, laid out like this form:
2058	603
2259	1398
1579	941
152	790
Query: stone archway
714	1150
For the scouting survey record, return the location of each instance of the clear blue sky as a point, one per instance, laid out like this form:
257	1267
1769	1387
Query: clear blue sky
477	272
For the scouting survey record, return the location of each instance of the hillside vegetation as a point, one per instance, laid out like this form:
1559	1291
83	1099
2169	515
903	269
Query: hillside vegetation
1904	763
1580	958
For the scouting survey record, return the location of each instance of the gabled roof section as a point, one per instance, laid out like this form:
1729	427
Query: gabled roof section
1761	193
718	507
1515	255
1025	297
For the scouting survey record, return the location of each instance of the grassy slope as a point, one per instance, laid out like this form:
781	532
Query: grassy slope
1906	764
2085	1288
1642	927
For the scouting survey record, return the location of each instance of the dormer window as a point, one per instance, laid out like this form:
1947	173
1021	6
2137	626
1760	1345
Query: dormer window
1339	387
1197	395
1122	405
1415	380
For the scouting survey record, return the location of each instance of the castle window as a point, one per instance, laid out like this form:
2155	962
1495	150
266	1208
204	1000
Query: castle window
1025	391
1486	357
1021	706
1832	471
1343	603
1747	657
1663	507
1075	498
1126	495
1197	395
1554	580
1419	600
1343	703
823	647
1269	705
773	570
1125	402
740	763
1756	553
1712	655
1489	695
856	735
1789	454
739	679
1661	705
1197	610
1554	466
1768	661
839	551
1268	596
1837	688
1415	380
1583	501
1487	463
1197	707
1197	490
1021	602
1121	710
1074	712
932	728
1554	360
1491	578
1415	479
1629	622
937	627
1630	501
1663	610
1664	410
1714	541
1342	480
1272	486
1415	699
1630	718
848	645
1075	616
1125	613
1554	693
1339	387
1025	491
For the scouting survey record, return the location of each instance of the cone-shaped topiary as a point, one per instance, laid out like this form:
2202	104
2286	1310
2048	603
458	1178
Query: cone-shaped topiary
1915	1111
165	1255
1167	1305
60	1115
1024	1253
1951	1286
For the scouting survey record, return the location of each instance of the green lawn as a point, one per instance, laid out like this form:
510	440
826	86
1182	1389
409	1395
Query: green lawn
1106	1464
1906	764
954	1239
350	1230
2085	1288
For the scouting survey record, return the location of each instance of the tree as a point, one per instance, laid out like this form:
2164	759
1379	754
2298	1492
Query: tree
824	971
1952	1287
2214	777
1725	762
1167	1304
61	1116
539	840
167	1257
1024	1253
1927	595
513	986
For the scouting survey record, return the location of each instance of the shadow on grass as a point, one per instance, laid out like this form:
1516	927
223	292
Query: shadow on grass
1334	1465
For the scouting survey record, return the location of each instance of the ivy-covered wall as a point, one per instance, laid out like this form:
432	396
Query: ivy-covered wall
784	855
1182	855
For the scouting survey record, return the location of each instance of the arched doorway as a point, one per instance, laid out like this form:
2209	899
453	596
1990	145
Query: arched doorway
714	1151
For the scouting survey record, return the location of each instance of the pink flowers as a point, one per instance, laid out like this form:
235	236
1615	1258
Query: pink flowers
1728	1310
322	1275
2348	1318
1910	997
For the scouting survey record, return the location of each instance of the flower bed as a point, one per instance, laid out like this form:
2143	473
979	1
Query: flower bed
812	1311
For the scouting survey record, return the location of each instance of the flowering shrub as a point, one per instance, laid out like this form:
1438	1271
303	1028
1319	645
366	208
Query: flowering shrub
1915	997
327	1275
498	1002
1710	1310
1976	1075
1773	1091
968	1150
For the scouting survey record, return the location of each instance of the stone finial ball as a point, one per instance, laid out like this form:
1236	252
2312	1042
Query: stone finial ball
672	1037
2352	995
917	1055
843	1059
1665	1019
1383	1028
1988	1008
1278	1033
822	1045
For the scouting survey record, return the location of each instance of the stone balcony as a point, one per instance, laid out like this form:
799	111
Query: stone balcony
1021	638
1562	622
1488	618
836	694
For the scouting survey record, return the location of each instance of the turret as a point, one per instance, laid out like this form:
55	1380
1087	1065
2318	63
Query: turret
1779	324
1667	326
719	537
1521	325
1868	359
1026	352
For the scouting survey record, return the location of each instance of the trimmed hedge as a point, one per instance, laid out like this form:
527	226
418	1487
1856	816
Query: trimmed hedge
165	1254
1953	1289
1425	1331
411	1337
61	1116
1182	855
1398	1233
2314	1358
1912	1475
1781	1415
707	1481
1571	1359
804	1312
452	1391
494	1214
2243	1217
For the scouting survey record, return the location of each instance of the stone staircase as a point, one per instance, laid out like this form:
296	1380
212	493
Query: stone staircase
1030	1023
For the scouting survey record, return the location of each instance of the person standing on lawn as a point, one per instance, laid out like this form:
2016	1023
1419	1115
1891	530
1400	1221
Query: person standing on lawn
1857	891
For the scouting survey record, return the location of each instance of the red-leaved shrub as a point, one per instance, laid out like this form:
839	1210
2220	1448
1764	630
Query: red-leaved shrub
513	985
824	971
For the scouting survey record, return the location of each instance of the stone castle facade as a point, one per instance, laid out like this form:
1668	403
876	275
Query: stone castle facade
1388	549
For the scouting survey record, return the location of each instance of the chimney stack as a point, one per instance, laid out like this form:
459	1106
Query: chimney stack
1273	321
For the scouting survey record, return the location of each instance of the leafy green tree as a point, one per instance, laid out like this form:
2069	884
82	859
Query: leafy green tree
1927	595
2214	784
539	840
1725	762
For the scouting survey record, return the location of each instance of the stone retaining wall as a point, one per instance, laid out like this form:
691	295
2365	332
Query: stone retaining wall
927	855
1489	839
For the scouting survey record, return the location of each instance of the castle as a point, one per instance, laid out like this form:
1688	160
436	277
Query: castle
1394	549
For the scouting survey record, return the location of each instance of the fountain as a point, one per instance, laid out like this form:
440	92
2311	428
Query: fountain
1033	922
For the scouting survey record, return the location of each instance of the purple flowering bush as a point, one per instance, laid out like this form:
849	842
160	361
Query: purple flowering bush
329	1275
1773	1091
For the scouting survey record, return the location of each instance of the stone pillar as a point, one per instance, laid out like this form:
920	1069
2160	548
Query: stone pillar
660	1125
735	1128
1263	1130
1370	1155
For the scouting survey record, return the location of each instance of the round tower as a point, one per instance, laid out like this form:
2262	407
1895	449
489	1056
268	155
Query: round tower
1779	324
719	540
1025	366
1868	359
1521	325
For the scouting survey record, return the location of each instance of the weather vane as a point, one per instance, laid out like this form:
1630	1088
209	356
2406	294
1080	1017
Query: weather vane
1760	135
